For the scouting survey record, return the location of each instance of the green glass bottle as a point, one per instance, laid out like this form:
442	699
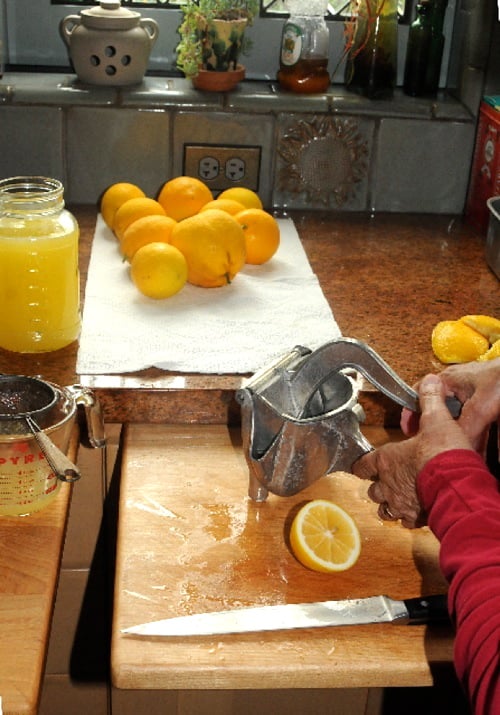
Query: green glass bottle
418	52
372	52
438	11
425	49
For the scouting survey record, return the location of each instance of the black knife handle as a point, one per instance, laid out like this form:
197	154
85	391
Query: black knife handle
427	609
454	406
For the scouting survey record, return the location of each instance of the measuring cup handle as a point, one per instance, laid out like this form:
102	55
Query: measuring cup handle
94	418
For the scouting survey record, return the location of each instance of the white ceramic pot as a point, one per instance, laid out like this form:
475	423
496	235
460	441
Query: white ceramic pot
109	45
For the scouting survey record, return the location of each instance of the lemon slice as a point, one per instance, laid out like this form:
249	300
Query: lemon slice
324	537
484	324
455	342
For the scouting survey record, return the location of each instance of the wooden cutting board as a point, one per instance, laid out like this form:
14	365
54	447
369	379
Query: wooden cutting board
190	540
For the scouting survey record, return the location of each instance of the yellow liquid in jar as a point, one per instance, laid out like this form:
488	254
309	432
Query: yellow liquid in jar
39	283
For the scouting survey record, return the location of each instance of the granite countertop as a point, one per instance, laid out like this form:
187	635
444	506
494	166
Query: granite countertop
389	279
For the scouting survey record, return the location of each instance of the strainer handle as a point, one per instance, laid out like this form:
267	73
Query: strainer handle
61	465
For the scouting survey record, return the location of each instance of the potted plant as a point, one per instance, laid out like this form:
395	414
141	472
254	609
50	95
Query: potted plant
212	40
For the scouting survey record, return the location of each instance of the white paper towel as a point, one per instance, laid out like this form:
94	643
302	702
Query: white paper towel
238	328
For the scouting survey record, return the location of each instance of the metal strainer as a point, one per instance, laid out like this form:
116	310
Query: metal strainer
33	403
22	396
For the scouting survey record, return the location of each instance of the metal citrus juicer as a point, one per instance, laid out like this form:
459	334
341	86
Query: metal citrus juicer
300	416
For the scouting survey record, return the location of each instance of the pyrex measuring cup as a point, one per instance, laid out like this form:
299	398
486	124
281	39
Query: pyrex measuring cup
36	421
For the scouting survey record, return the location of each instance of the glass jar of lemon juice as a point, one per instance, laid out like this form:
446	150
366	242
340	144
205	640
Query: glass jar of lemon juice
39	277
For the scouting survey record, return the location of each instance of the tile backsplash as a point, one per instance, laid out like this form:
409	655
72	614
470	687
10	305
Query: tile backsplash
335	151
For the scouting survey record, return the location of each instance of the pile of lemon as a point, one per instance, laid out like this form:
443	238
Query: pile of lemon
185	235
472	337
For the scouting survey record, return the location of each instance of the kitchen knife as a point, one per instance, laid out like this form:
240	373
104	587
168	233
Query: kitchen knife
376	609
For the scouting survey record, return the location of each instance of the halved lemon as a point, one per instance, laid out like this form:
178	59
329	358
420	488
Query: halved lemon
324	537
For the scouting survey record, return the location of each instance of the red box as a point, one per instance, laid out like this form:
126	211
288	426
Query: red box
485	174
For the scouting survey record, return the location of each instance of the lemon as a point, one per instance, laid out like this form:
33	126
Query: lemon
484	324
232	207
262	235
324	537
455	342
114	196
158	270
247	197
183	197
147	229
133	209
213	245
492	353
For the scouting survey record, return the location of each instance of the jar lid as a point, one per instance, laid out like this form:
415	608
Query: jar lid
110	16
303	9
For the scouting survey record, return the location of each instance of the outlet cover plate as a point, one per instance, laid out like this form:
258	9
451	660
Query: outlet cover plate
222	167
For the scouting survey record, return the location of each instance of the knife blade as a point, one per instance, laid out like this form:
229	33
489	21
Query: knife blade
349	612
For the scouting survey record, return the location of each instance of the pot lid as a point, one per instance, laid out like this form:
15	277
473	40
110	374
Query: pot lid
110	16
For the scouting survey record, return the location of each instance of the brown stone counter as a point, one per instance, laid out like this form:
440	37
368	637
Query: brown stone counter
388	278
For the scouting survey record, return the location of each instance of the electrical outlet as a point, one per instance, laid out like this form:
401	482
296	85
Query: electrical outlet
222	167
209	168
235	169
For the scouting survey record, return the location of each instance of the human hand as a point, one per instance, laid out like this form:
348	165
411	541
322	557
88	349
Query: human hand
394	467
477	386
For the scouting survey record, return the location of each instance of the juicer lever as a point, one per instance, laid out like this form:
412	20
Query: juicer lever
348	352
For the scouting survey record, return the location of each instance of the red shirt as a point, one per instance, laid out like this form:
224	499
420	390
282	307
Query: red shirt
462	500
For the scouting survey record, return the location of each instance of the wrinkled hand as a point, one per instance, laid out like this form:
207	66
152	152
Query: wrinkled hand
477	386
393	468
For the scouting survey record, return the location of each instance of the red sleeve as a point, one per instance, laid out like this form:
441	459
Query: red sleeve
462	500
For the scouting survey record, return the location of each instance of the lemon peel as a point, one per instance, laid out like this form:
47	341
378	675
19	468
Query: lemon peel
455	342
484	324
492	353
